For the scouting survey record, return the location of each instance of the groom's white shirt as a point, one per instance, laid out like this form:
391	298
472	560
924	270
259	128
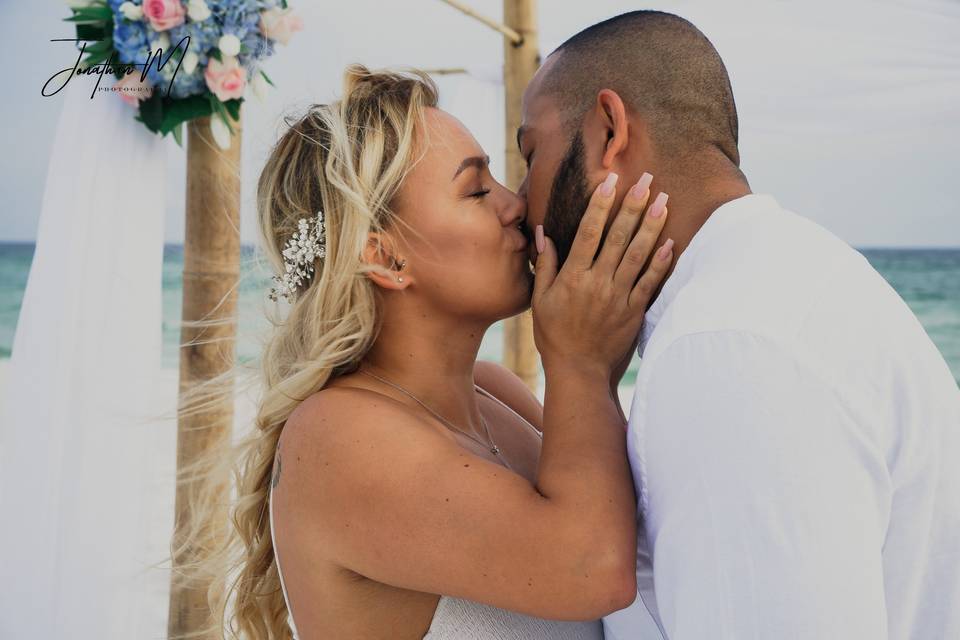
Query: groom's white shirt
795	443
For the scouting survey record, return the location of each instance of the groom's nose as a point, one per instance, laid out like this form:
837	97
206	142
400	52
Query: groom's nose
516	212
522	191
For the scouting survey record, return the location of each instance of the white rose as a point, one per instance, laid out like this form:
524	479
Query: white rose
260	86
280	24
162	42
221	134
198	10
229	44
131	11
189	64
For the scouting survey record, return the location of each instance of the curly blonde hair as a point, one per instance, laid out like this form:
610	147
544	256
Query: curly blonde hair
348	159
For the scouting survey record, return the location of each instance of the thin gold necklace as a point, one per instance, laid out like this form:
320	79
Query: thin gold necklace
492	447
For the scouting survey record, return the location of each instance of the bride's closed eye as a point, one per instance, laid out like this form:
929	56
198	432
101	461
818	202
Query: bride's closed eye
480	194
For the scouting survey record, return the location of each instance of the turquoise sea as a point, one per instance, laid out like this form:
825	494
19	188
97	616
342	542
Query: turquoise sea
927	279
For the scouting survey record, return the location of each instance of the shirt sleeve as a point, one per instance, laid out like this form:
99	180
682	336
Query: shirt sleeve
765	501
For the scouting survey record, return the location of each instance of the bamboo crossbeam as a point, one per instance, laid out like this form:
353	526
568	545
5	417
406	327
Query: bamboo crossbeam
513	36
445	72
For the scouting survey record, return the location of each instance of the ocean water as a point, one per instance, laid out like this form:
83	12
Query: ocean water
927	279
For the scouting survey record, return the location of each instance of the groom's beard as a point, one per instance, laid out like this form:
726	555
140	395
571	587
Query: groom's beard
569	198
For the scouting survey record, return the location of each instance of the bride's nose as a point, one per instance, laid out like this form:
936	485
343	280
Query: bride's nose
515	212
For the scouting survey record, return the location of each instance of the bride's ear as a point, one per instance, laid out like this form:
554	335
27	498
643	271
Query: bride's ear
387	270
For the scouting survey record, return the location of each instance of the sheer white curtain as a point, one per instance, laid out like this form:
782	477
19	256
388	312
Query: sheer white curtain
85	469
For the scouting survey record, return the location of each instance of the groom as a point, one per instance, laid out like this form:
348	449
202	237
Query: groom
794	434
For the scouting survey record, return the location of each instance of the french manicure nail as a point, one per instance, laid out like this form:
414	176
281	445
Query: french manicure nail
642	185
538	236
658	206
606	189
664	252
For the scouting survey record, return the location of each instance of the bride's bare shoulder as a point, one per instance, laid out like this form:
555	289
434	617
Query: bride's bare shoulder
343	415
509	389
347	405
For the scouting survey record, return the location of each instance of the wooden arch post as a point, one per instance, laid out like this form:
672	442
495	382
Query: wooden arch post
211	274
520	61
521	58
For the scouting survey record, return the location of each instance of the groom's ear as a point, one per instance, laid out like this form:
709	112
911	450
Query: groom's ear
611	122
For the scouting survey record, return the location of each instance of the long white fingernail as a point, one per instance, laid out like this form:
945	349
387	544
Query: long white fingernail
658	206
642	185
664	252
606	189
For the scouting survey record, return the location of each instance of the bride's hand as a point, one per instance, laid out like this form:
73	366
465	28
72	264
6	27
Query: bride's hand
589	314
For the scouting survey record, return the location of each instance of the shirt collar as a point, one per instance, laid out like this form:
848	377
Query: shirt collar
722	217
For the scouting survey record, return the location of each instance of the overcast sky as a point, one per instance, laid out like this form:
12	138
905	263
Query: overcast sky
849	109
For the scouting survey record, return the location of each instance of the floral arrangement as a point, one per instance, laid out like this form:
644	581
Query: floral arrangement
176	60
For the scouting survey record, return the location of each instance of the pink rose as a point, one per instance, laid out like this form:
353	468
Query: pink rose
226	79
280	24
131	90
164	14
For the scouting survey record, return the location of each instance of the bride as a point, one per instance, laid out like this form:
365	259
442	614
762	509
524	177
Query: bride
412	491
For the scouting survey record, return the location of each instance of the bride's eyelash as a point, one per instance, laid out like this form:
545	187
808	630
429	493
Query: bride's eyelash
480	194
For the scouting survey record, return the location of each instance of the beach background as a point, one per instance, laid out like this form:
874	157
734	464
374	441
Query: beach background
927	279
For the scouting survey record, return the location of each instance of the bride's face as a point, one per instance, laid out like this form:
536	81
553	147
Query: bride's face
466	251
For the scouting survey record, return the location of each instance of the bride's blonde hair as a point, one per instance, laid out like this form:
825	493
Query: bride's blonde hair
348	159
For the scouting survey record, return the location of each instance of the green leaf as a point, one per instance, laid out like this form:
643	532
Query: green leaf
101	12
96	58
151	112
221	110
267	78
178	134
215	53
92	32
100	47
178	111
233	107
83	19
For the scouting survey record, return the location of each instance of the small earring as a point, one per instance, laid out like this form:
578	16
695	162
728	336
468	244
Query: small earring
401	264
399	279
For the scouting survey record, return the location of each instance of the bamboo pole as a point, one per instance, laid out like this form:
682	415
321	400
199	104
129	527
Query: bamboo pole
520	62
211	273
510	34
446	71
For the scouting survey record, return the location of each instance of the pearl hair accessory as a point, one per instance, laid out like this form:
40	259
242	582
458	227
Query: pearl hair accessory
300	252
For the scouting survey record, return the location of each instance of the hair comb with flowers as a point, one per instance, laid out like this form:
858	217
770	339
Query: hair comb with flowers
301	250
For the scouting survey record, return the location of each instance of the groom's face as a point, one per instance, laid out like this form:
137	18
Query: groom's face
563	165
556	186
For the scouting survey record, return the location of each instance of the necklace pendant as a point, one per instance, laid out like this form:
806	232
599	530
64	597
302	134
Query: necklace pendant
495	450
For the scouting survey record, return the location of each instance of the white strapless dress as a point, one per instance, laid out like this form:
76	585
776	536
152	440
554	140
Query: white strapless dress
460	619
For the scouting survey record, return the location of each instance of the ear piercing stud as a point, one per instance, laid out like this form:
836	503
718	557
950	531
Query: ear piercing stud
400	266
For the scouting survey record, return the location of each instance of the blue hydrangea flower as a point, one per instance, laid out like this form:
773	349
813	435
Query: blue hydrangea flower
132	40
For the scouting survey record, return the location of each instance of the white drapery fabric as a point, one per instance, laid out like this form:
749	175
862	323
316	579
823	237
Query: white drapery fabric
85	467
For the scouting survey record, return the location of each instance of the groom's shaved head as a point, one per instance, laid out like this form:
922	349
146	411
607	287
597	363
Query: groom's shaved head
662	67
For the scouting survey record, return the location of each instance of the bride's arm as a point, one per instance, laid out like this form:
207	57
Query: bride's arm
389	496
